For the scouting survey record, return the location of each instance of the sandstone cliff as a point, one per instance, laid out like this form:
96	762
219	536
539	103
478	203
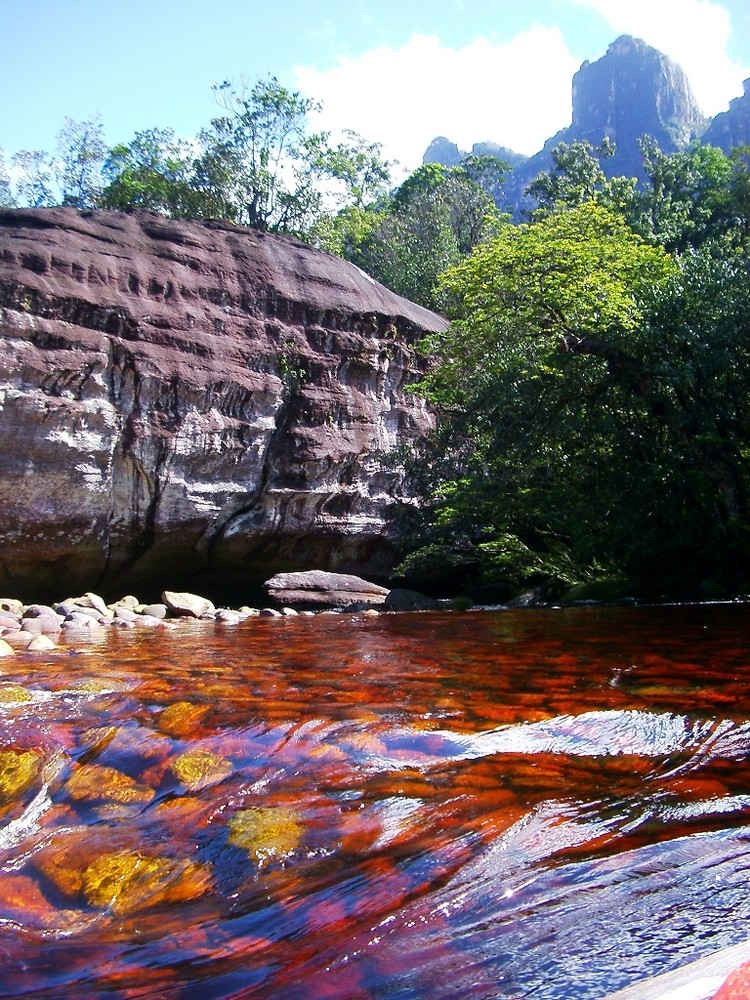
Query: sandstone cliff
183	402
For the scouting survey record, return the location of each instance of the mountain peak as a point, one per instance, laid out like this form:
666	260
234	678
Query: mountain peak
632	91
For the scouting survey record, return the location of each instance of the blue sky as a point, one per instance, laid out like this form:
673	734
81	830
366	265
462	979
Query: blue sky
399	72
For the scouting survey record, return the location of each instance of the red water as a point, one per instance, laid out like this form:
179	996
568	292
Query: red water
546	804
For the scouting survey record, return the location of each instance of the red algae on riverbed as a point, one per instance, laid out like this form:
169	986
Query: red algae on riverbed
487	805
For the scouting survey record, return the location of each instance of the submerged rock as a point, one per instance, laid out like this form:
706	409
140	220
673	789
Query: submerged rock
92	782
18	772
198	769
126	881
266	832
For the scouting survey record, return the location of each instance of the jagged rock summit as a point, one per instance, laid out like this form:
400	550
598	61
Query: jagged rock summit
185	403
632	91
731	128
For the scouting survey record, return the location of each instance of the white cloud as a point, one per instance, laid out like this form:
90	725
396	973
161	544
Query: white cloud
516	94
694	33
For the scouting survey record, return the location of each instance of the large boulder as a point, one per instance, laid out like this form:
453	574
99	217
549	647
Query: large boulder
320	589
184	405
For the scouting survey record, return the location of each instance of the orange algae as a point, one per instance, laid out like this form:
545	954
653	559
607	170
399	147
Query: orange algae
13	693
130	880
180	719
92	782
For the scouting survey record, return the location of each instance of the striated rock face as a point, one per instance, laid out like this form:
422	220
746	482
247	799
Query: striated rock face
194	403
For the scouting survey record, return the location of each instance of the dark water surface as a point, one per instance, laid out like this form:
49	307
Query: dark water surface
546	804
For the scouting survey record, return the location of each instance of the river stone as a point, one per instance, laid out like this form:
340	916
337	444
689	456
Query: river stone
150	620
125	615
155	610
5	648
39	611
11	605
43	624
18	640
78	611
186	605
9	621
128	602
402	599
41	644
228	616
318	588
89	600
79	619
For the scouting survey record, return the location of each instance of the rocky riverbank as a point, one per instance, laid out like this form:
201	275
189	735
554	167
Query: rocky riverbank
43	627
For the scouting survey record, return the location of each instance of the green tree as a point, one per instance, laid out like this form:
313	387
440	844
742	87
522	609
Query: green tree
34	186
6	192
81	152
356	180
577	177
355	166
583	391
408	250
435	218
154	170
688	195
255	157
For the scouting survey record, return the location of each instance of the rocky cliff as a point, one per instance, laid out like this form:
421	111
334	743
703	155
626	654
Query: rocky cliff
632	91
194	403
732	127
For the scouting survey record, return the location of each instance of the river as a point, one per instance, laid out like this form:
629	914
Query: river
548	803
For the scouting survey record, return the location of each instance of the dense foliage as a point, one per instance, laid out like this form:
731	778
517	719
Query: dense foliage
592	385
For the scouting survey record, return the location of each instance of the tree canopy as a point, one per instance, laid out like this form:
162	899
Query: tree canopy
591	389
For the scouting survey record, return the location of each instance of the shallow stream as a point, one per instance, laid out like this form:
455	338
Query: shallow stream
540	803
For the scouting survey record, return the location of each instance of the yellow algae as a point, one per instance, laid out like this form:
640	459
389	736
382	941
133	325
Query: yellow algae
266	832
198	769
18	771
180	718
97	685
13	692
92	782
129	880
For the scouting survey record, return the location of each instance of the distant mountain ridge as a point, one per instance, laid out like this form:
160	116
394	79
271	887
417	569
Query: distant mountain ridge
632	91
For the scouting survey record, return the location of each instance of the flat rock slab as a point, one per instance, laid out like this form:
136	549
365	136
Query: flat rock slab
316	588
698	981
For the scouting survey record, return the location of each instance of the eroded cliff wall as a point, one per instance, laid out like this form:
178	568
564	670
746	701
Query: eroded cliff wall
184	402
